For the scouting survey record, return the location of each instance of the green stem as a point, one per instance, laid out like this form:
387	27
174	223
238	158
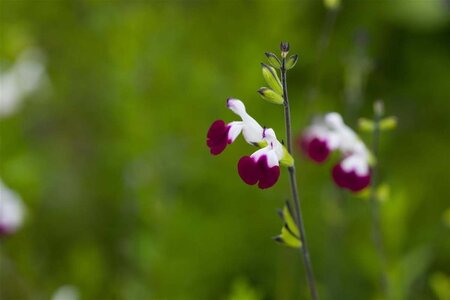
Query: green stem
375	207
293	182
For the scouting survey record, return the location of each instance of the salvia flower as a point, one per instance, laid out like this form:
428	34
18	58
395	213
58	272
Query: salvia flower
11	210
262	166
331	134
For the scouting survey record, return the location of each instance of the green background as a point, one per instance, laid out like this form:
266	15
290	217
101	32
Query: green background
124	200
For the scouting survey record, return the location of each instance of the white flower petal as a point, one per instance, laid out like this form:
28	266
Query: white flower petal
356	162
251	130
235	130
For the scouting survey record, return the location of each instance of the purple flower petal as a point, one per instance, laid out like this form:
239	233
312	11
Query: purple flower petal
268	176
316	149
248	170
217	137
350	180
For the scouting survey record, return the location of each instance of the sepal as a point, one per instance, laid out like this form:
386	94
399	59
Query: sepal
290	235
271	78
388	123
270	96
287	160
273	60
291	61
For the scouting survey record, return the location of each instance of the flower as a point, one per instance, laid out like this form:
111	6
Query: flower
11	210
331	133
352	173
221	134
318	141
263	166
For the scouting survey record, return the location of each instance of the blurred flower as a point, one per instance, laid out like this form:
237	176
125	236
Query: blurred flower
20	80
318	141
262	166
330	133
11	210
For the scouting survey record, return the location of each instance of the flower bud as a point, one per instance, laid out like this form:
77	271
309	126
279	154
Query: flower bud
365	125
284	47
388	123
270	96
292	60
271	78
273	60
378	108
332	4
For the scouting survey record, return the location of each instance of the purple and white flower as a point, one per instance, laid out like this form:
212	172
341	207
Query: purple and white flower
262	166
329	134
221	134
318	141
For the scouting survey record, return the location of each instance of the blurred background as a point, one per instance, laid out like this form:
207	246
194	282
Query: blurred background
103	137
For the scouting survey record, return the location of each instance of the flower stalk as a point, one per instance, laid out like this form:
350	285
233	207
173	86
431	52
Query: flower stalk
292	177
373	198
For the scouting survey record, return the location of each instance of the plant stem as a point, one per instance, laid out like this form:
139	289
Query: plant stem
294	189
374	204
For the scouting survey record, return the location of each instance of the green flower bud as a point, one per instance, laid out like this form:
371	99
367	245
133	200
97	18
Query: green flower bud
284	47
365	124
292	60
388	123
271	78
273	60
270	96
332	4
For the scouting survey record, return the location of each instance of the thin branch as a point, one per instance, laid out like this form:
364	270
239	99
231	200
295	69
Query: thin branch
293	182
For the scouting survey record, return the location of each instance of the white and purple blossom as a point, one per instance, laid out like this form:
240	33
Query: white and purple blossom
221	134
262	166
318	141
329	134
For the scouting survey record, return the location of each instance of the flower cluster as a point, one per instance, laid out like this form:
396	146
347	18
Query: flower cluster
262	166
330	133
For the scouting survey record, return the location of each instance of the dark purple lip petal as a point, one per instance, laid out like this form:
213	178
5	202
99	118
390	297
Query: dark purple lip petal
350	180
339	176
248	170
316	149
252	172
217	137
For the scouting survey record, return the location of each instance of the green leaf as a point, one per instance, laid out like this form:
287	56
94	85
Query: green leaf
273	60
291	61
270	96
271	78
